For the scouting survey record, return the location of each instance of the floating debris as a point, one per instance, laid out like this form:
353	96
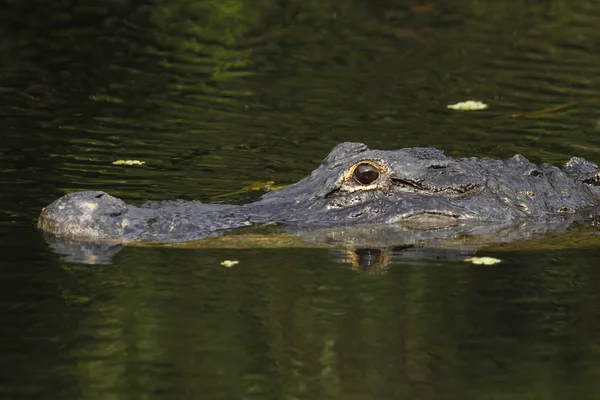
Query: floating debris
483	260
229	263
266	186
469	105
555	108
129	162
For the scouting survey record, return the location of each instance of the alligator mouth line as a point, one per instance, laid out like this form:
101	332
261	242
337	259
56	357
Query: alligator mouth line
418	186
429	220
430	214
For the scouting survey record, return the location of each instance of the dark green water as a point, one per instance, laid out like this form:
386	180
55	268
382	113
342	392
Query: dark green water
215	94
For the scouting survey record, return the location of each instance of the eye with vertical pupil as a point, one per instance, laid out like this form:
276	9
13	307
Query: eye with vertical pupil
365	173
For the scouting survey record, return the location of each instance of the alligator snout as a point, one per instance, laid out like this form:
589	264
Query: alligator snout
91	214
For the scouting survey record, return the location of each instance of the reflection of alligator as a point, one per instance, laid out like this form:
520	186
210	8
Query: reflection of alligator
420	190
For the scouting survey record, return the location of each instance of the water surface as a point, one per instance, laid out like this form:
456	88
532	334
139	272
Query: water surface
215	94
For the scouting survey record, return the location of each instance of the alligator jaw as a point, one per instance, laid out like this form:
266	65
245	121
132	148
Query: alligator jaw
426	220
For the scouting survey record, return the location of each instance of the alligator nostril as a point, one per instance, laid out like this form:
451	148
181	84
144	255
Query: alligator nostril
99	196
565	209
115	214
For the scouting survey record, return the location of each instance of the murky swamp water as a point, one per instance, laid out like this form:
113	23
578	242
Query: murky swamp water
214	94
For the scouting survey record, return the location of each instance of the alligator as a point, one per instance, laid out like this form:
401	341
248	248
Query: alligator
416	190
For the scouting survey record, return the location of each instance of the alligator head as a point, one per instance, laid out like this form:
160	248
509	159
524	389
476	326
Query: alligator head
422	188
355	185
419	188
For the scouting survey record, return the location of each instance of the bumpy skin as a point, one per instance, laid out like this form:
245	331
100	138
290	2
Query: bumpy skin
418	187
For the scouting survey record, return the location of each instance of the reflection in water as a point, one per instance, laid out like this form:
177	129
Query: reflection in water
215	93
367	259
83	251
292	323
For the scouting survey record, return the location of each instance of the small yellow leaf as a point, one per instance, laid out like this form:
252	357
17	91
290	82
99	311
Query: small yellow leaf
469	105
483	260
229	263
129	162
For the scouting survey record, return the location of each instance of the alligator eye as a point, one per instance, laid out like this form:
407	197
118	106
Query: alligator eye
365	173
